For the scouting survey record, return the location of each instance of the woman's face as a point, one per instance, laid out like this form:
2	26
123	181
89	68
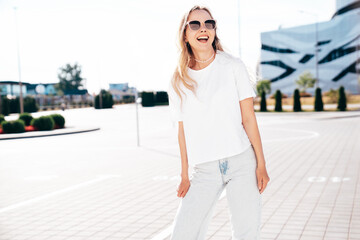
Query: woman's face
192	36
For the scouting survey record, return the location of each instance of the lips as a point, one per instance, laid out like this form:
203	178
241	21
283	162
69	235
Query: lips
203	39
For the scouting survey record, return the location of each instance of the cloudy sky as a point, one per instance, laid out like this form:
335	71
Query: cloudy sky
132	41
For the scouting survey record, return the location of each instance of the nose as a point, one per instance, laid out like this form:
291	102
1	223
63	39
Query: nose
203	28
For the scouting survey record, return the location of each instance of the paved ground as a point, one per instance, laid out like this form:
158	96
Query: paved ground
100	185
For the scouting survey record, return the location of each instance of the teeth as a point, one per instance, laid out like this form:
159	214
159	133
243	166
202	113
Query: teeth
203	38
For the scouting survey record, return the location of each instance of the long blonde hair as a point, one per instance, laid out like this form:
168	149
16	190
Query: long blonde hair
186	57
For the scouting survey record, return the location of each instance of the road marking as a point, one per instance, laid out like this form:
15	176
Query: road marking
49	195
323	179
312	134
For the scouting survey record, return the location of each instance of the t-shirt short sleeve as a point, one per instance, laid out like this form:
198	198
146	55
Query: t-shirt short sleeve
242	81
174	104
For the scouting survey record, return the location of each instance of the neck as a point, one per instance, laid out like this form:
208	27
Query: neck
203	56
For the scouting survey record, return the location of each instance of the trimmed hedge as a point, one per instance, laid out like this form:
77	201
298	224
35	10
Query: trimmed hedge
263	102
161	97
2	118
5	106
26	117
44	123
107	100
30	104
17	126
147	99
278	99
59	120
297	103
318	104
342	99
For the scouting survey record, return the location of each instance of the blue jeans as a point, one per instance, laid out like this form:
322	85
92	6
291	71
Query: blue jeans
208	180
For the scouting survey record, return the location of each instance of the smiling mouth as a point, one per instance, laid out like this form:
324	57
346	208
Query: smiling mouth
203	39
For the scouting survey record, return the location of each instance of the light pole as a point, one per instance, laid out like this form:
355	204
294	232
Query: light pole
357	68
316	47
137	117
239	21
19	66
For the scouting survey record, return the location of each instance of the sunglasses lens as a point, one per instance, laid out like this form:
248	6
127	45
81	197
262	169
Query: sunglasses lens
210	24
194	25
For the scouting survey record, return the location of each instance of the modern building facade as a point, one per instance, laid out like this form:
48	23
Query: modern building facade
120	91
328	50
12	88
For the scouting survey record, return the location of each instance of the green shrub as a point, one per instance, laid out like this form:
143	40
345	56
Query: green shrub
14	105
2	118
26	117
161	97
263	102
278	99
148	99
297	103
318	105
59	120
17	126
5	106
342	99
30	105
43	123
107	100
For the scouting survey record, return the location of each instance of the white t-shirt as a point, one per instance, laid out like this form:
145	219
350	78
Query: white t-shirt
212	122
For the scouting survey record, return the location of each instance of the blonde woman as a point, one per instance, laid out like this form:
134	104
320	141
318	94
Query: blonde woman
211	98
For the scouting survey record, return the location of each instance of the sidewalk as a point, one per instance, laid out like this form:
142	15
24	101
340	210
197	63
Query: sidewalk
101	186
55	132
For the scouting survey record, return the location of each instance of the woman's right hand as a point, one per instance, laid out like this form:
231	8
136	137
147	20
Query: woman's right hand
183	187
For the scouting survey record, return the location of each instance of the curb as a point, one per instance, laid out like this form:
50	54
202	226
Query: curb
56	132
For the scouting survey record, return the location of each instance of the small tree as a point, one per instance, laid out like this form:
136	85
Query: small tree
319	106
278	99
263	87
297	103
305	81
342	99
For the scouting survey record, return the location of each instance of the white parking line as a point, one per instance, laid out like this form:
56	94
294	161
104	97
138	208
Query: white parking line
49	195
312	134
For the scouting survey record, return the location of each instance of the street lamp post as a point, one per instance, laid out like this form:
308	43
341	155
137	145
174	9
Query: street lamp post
137	117
19	65
316	47
239	21
357	68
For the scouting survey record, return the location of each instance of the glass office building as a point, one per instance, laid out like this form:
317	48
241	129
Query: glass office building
329	50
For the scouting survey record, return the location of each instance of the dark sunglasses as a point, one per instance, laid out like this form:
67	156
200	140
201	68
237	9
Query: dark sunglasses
195	24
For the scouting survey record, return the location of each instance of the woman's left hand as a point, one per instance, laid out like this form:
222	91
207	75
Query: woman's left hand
262	178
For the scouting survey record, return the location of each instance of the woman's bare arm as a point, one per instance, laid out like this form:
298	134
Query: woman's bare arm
183	152
185	182
251	128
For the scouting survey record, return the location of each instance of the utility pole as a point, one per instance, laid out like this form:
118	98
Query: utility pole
19	65
357	68
239	21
